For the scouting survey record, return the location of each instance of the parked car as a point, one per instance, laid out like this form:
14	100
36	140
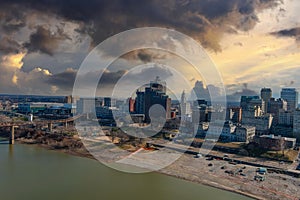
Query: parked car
210	158
199	155
262	170
259	178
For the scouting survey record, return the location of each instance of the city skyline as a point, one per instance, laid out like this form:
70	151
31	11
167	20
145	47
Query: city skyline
155	99
237	94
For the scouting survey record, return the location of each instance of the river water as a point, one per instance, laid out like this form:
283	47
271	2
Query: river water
28	172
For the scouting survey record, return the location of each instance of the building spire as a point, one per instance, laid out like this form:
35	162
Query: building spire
183	98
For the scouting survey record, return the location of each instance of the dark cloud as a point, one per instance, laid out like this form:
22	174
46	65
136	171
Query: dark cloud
64	80
235	91
110	78
12	18
109	84
236	96
146	55
8	45
205	20
45	41
151	71
293	32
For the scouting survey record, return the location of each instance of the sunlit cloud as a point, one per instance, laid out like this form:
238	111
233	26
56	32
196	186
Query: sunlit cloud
12	60
44	71
14	79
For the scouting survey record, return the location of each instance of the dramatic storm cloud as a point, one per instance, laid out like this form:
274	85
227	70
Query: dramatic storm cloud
205	20
42	42
45	41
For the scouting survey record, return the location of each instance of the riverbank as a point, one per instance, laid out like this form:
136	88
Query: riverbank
80	151
29	172
206	172
169	171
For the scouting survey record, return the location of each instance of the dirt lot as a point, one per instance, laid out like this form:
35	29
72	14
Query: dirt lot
212	172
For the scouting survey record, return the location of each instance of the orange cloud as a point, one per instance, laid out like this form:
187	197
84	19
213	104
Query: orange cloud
13	60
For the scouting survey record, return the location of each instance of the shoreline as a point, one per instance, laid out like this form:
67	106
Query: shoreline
277	186
215	185
163	172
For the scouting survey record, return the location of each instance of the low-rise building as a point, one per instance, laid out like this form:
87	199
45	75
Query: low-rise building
35	107
261	123
245	133
275	143
229	132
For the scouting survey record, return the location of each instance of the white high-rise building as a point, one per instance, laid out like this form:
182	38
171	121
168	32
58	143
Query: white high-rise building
183	104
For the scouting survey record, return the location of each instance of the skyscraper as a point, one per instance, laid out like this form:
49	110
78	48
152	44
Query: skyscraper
291	97
154	94
266	95
107	101
274	106
183	105
140	102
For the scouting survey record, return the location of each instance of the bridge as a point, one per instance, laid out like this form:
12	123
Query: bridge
50	123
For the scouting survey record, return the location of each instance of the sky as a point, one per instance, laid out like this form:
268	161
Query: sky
253	43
